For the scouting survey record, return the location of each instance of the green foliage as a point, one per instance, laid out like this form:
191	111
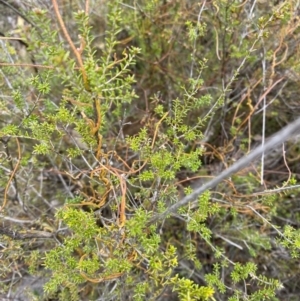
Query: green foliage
291	240
187	290
128	109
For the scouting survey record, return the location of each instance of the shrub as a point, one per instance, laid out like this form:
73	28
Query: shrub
111	114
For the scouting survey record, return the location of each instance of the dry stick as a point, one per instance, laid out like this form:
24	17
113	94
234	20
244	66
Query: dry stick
18	12
21	235
11	176
26	65
274	141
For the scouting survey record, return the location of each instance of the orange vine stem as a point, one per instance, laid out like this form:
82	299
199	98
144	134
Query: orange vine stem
74	49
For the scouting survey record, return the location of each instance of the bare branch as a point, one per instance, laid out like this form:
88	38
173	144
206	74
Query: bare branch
19	235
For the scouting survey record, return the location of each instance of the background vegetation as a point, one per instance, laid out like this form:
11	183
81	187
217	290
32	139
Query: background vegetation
110	113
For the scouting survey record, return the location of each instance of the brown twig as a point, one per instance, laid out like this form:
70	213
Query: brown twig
26	65
25	234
